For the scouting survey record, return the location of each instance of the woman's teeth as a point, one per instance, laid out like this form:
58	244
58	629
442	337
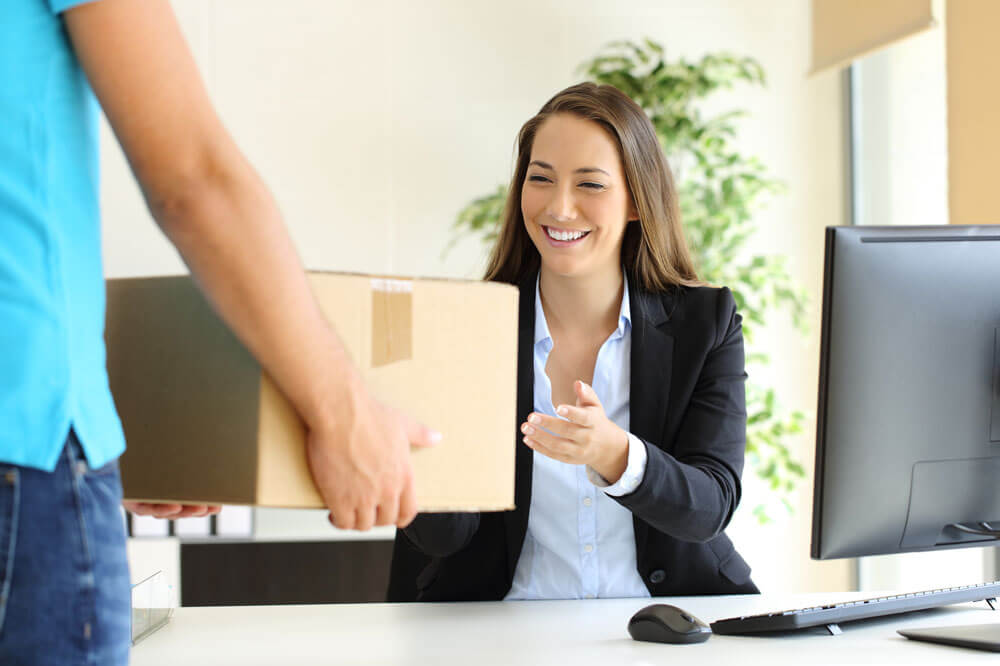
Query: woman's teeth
560	235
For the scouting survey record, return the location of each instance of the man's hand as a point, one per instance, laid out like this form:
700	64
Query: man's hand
361	465
172	510
584	436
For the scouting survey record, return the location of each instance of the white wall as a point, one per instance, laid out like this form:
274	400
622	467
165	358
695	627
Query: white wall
375	122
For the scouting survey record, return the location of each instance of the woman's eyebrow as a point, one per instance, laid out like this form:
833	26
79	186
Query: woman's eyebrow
546	165
592	170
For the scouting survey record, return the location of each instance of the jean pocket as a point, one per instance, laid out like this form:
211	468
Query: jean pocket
9	500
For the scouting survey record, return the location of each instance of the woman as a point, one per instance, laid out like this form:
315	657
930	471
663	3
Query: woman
631	385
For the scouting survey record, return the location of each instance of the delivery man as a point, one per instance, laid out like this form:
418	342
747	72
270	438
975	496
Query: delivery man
64	583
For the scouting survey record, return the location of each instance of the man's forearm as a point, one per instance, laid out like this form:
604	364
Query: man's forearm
228	229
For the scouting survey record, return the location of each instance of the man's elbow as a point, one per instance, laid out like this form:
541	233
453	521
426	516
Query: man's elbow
191	191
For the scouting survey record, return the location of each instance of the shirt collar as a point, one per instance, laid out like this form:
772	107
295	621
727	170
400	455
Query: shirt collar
542	327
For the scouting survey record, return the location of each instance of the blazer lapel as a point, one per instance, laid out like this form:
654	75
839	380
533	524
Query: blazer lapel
516	521
651	364
652	356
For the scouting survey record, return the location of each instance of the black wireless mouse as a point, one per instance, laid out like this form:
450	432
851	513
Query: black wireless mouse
661	623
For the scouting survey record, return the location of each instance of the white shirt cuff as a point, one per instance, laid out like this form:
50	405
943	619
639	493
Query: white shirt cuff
635	470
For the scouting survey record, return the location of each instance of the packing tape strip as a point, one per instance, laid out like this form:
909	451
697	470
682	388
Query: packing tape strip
392	321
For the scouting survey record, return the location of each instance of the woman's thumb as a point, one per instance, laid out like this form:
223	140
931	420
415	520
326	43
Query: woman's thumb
586	397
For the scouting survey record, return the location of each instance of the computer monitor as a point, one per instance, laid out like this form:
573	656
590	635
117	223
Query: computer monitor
908	432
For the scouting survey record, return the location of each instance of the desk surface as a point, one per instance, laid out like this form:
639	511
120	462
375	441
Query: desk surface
534	632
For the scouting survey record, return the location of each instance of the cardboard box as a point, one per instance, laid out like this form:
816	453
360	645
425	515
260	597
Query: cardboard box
204	423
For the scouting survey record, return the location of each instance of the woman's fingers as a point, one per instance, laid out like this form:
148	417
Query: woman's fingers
586	396
581	416
548	452
558	445
557	426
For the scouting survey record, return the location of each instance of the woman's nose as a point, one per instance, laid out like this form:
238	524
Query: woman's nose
562	207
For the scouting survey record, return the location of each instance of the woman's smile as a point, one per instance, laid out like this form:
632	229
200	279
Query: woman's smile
560	237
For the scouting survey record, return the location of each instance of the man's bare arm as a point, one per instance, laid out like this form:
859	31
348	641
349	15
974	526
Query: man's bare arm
215	209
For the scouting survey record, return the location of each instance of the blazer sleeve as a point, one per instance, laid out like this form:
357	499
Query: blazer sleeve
442	534
692	493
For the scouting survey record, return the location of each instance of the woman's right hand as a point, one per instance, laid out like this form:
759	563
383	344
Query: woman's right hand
361	463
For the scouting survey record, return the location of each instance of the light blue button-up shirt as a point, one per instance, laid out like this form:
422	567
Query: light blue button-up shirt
580	542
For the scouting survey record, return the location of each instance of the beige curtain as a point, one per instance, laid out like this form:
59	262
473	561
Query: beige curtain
973	53
844	30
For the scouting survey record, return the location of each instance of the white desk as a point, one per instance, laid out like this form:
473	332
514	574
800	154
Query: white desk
565	633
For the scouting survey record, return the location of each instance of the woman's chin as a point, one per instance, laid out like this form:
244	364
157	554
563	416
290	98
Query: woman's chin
564	267
579	267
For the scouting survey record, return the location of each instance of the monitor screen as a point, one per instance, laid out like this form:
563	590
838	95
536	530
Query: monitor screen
908	424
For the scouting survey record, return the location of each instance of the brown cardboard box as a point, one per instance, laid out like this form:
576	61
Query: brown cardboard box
204	424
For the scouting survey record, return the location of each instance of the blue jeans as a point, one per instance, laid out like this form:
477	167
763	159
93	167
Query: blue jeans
65	596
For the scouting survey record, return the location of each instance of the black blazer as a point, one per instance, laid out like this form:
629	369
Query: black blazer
687	405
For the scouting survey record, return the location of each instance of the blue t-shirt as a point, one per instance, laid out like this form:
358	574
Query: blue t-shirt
52	361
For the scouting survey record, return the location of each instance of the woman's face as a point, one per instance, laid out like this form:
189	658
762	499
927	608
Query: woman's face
574	200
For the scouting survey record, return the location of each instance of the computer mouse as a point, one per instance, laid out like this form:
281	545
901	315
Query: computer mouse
662	623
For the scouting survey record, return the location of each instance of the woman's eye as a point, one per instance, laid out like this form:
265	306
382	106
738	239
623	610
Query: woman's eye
592	186
538	179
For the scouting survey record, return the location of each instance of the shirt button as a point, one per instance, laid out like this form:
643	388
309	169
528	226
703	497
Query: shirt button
588	548
587	501
657	576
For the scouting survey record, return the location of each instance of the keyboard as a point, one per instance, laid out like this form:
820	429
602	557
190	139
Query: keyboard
832	614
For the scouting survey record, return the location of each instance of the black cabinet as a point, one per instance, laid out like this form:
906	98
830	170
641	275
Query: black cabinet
234	573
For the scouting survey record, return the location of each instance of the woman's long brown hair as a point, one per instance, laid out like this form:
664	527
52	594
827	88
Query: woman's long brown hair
655	255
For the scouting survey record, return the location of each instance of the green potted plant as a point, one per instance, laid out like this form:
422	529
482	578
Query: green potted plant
719	189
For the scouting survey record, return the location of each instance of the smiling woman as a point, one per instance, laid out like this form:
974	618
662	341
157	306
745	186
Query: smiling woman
631	385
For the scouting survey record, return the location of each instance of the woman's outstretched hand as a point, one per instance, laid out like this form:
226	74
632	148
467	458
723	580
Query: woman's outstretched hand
584	436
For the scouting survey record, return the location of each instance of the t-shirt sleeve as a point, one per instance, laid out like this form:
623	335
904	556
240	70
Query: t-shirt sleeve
59	6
